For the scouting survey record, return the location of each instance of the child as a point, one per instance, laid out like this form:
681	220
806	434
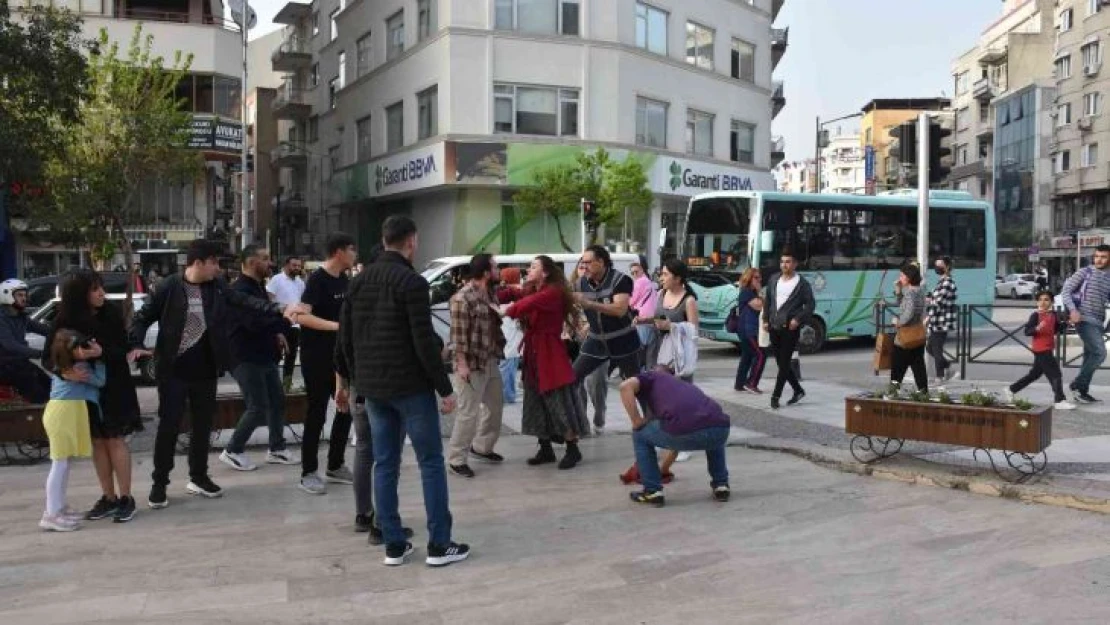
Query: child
1043	326
66	419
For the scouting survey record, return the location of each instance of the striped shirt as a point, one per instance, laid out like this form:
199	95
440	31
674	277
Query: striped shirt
1092	287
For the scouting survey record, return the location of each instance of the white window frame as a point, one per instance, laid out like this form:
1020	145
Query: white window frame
1093	7
561	28
1091	53
734	129
390	143
333	89
507	92
334	33
1063	114
315	23
1065	20
392	30
426	19
1092	104
642	104
1062	65
364	53
693	117
363	139
1088	155
425	100
962	153
739	75
341	58
700	28
644	21
1058	164
963	83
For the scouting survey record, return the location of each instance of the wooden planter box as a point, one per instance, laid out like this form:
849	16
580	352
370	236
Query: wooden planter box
1000	428
229	408
21	422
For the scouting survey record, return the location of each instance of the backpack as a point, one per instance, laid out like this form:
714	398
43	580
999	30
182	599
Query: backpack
1078	297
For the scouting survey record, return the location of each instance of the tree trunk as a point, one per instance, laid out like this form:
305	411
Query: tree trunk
128	255
562	237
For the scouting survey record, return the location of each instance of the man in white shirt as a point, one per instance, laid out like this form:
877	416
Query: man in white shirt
287	288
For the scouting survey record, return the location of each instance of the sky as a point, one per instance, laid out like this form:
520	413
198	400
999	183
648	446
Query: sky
844	53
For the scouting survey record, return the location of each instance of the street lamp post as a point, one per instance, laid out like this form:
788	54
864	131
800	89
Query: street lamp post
246	18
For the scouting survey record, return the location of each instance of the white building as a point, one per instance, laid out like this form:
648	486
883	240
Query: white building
171	215
440	108
796	176
842	166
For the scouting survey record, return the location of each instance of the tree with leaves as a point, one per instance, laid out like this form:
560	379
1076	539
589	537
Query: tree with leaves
614	186
132	131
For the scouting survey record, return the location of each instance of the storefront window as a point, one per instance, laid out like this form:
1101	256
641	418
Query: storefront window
227	98
204	100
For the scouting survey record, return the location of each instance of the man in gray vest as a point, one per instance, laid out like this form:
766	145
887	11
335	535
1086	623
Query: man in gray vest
604	294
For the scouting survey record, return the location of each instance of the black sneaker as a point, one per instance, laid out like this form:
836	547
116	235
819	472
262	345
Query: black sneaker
1086	398
395	553
491	458
721	493
157	499
442	555
102	509
650	498
571	458
775	403
204	487
363	523
126	510
377	537
461	470
797	397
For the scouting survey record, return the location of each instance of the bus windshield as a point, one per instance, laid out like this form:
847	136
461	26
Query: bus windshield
717	234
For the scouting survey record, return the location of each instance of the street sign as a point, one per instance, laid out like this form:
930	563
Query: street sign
869	163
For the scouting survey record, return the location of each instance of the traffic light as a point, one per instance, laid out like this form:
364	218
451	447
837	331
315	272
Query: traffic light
937	172
589	212
906	152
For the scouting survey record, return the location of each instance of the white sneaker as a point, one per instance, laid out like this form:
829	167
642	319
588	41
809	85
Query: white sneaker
57	523
283	456
1008	394
312	484
683	456
239	462
1064	405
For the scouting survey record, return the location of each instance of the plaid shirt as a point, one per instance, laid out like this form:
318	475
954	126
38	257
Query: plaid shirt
475	328
942	306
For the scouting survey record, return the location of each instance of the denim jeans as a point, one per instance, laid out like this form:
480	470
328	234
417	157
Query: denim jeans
1094	353
418	416
265	400
508	368
711	440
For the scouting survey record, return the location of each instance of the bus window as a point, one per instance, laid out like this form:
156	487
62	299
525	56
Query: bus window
717	235
960	234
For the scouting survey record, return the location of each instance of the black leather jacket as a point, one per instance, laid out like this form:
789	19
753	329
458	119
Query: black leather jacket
169	307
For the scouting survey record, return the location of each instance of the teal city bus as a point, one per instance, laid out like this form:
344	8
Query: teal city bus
850	248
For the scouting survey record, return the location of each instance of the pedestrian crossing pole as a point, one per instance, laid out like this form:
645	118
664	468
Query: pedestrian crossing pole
923	191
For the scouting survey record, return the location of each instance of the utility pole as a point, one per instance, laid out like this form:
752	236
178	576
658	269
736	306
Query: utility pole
246	18
817	155
923	190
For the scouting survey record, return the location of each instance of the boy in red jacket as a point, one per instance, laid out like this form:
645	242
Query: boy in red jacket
1043	325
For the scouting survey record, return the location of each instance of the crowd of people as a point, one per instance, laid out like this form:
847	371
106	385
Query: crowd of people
366	342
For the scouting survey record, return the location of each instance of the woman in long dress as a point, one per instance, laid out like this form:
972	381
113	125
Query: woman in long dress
552	406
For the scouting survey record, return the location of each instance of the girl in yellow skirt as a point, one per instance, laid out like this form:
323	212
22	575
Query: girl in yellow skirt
74	396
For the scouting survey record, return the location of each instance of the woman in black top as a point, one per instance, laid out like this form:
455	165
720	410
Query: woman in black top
82	308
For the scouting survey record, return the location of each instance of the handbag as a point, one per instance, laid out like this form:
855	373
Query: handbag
732	322
884	352
910	336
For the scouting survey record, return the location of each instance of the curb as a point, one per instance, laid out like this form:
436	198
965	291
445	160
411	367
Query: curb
972	483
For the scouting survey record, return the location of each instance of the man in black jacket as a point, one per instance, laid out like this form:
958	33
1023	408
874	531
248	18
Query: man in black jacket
386	338
788	305
191	310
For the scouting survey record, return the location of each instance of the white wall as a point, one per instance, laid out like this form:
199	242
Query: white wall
214	49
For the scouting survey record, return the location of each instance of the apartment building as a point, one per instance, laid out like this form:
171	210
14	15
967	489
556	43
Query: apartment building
169	215
883	171
1082	130
796	176
440	109
842	166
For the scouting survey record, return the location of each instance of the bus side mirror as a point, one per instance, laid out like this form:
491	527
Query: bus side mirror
767	241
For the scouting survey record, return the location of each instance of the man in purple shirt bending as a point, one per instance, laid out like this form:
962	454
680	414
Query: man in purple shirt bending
682	419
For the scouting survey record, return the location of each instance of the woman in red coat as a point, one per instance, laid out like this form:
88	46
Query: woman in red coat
552	409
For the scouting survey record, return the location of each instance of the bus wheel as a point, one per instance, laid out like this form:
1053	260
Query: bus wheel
811	338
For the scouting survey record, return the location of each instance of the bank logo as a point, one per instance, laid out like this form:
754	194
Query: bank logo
379	178
411	171
676	176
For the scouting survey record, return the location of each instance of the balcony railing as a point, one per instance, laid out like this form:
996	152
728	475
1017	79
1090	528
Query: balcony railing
293	53
288	153
288	95
778	99
780	36
984	89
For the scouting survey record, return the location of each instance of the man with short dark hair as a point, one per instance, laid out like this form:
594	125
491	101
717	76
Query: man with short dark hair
682	418
395	361
788	305
1085	295
192	310
323	296
479	345
287	287
255	351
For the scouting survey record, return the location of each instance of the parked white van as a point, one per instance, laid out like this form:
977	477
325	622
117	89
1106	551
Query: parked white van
443	274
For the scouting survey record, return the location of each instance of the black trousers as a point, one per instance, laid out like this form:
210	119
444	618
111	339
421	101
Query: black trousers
783	344
1044	363
293	339
935	346
913	359
174	394
319	385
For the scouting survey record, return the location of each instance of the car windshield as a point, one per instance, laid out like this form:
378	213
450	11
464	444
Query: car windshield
432	268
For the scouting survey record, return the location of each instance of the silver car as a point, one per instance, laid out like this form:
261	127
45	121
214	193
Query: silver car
143	368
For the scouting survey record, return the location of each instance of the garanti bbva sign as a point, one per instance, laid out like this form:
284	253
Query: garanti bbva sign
408	171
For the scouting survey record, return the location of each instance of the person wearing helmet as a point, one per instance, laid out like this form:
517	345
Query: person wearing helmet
16	369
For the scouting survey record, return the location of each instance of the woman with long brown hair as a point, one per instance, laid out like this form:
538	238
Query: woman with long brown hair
552	406
750	305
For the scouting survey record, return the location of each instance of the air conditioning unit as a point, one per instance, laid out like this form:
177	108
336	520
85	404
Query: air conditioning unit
1092	69
1084	123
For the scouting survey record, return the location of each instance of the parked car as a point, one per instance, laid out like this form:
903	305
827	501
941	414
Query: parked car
41	290
1016	285
143	368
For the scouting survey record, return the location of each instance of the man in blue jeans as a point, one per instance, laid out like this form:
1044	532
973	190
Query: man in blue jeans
683	418
1085	294
396	364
